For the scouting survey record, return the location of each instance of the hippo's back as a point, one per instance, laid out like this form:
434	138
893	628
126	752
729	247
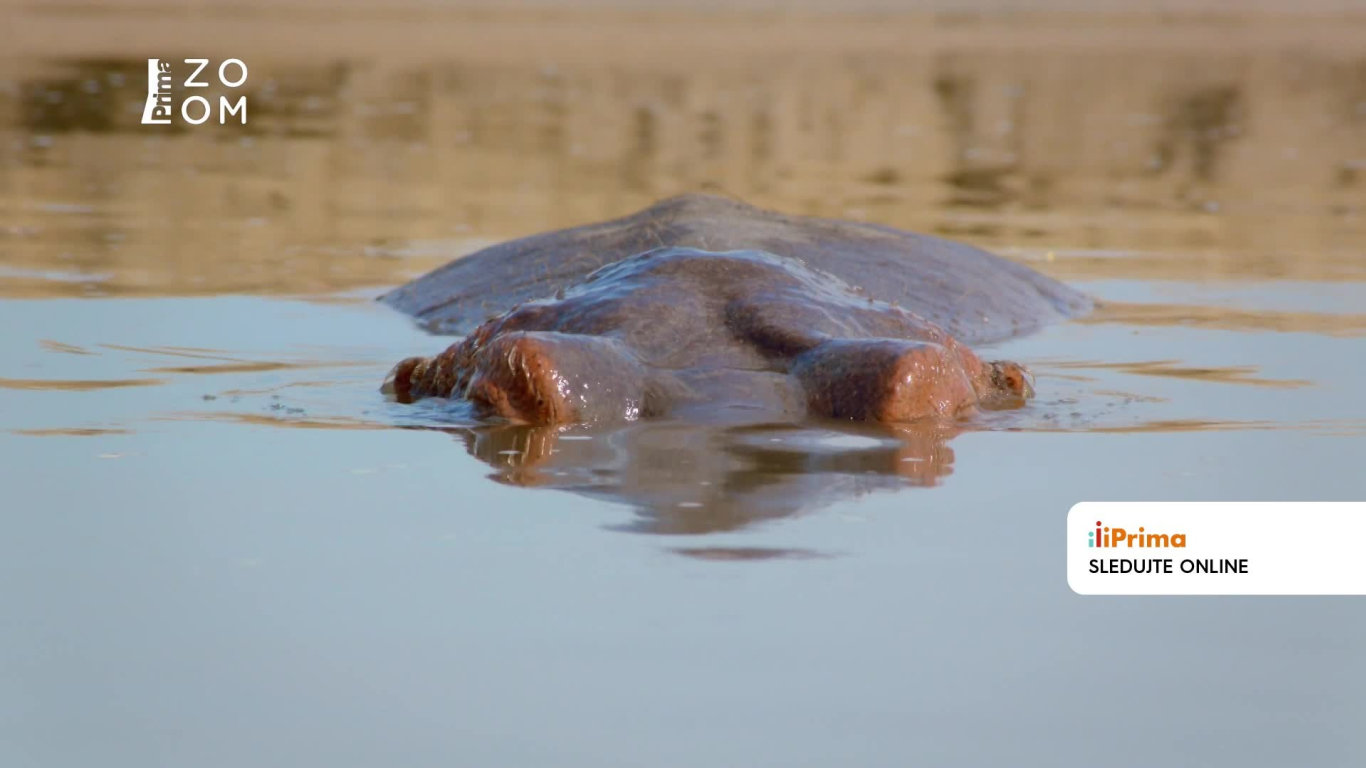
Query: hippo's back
976	296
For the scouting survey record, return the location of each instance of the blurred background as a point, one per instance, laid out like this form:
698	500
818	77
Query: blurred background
1213	129
221	546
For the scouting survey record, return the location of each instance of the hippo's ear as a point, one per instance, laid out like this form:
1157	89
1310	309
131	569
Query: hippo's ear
1011	380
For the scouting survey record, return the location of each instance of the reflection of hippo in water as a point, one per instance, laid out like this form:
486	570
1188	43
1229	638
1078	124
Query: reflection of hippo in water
704	305
686	478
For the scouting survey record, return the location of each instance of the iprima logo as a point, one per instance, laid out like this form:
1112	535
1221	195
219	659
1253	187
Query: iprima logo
1119	537
162	84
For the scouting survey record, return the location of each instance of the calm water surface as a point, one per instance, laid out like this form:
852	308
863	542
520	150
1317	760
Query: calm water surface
223	547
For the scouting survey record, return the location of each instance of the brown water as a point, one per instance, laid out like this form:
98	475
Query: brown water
222	546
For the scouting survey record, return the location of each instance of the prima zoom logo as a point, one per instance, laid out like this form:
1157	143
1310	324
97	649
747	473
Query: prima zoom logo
163	82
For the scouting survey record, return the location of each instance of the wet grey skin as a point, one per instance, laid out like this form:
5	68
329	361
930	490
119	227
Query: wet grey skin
704	306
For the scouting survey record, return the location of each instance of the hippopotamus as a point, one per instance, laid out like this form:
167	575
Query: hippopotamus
705	306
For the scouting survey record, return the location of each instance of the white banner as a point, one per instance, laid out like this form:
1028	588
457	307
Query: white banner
1217	548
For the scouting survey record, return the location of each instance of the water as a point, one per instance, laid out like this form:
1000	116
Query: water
223	546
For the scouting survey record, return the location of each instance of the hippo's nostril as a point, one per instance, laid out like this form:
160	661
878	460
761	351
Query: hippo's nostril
399	383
